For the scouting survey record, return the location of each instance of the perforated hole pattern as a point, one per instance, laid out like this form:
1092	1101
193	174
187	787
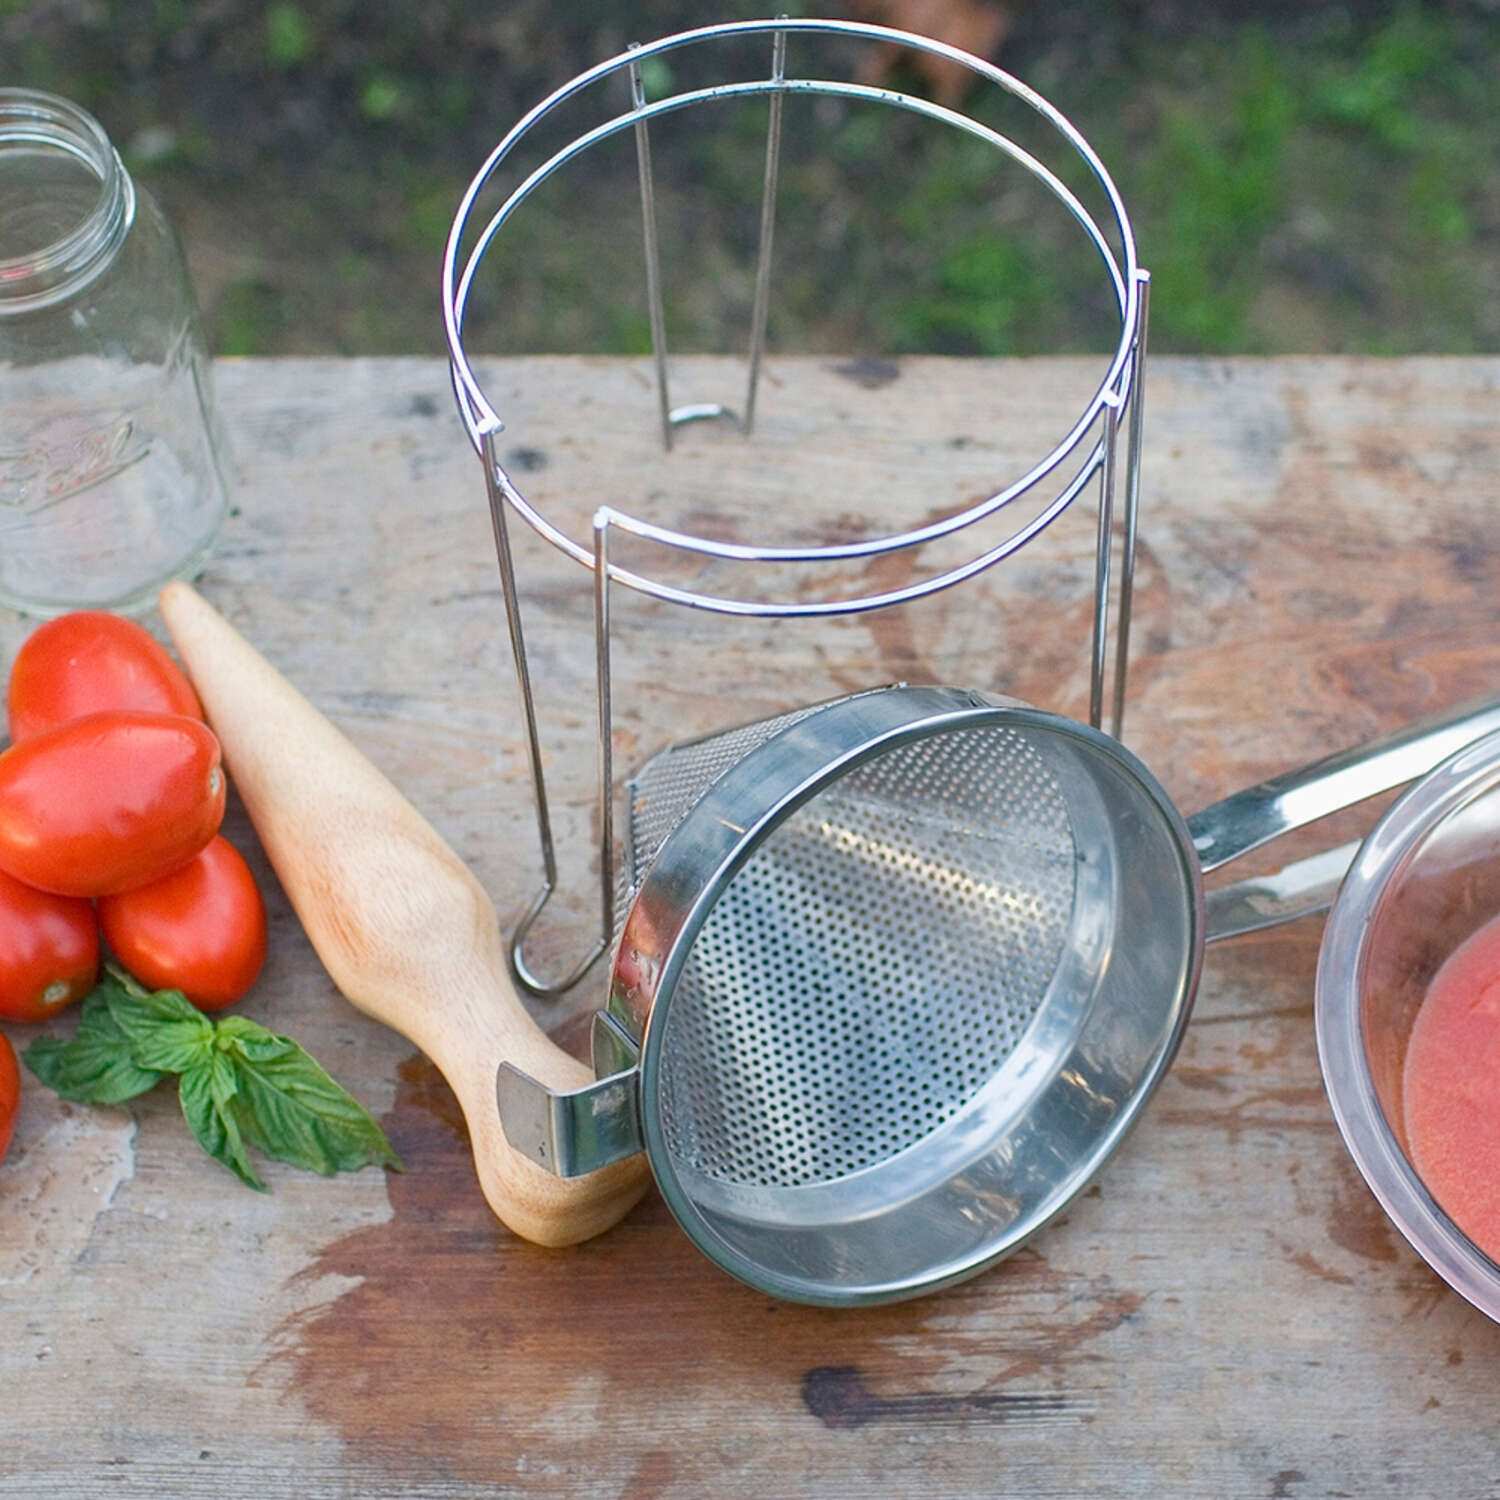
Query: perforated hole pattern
666	787
873	964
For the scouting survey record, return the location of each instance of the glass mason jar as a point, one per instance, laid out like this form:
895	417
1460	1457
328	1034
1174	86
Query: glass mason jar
109	477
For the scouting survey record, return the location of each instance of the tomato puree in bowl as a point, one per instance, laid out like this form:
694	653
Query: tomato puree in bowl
1451	1088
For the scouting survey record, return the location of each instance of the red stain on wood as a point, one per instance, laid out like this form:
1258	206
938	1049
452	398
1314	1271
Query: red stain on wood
990	638
1304	1260
419	1361
1356	1221
653	1473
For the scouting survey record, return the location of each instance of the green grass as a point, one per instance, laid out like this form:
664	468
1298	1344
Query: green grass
1322	179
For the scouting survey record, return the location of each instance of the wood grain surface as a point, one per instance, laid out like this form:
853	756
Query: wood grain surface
1225	1312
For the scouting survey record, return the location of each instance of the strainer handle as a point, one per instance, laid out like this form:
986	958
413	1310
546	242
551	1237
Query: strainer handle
1300	889
399	921
1258	814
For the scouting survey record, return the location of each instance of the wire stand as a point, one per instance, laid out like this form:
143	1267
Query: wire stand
1094	441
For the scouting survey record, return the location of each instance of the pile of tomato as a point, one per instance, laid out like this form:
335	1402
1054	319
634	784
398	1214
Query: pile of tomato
111	797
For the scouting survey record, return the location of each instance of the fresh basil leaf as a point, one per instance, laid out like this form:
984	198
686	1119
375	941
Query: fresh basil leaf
288	1107
207	1095
97	1066
173	1046
141	1013
166	1030
251	1040
240	1085
170	1005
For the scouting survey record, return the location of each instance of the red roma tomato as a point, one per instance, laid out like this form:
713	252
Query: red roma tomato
49	951
108	802
201	929
10	1093
87	662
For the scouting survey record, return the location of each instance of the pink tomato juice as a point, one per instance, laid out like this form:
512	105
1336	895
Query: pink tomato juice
1451	1088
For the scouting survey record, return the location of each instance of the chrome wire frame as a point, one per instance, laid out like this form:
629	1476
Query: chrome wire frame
1119	396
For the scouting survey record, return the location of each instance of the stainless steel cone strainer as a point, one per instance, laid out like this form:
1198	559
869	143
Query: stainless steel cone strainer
899	980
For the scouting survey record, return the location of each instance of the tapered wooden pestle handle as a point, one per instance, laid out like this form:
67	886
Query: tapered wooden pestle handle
404	929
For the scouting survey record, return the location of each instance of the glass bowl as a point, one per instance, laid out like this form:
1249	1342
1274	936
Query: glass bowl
1426	878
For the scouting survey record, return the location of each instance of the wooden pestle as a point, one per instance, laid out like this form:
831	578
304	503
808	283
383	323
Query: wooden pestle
403	927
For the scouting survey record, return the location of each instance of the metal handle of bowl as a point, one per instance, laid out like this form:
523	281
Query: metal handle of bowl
404	929
1255	816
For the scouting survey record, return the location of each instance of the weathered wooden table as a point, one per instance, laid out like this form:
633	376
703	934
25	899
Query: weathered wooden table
1224	1312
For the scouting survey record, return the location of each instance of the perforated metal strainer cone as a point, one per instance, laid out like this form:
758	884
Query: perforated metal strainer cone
872	965
867	964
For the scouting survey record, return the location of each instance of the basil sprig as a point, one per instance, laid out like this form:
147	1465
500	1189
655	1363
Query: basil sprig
240	1086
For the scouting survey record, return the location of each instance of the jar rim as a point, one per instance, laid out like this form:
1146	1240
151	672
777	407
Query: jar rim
32	119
